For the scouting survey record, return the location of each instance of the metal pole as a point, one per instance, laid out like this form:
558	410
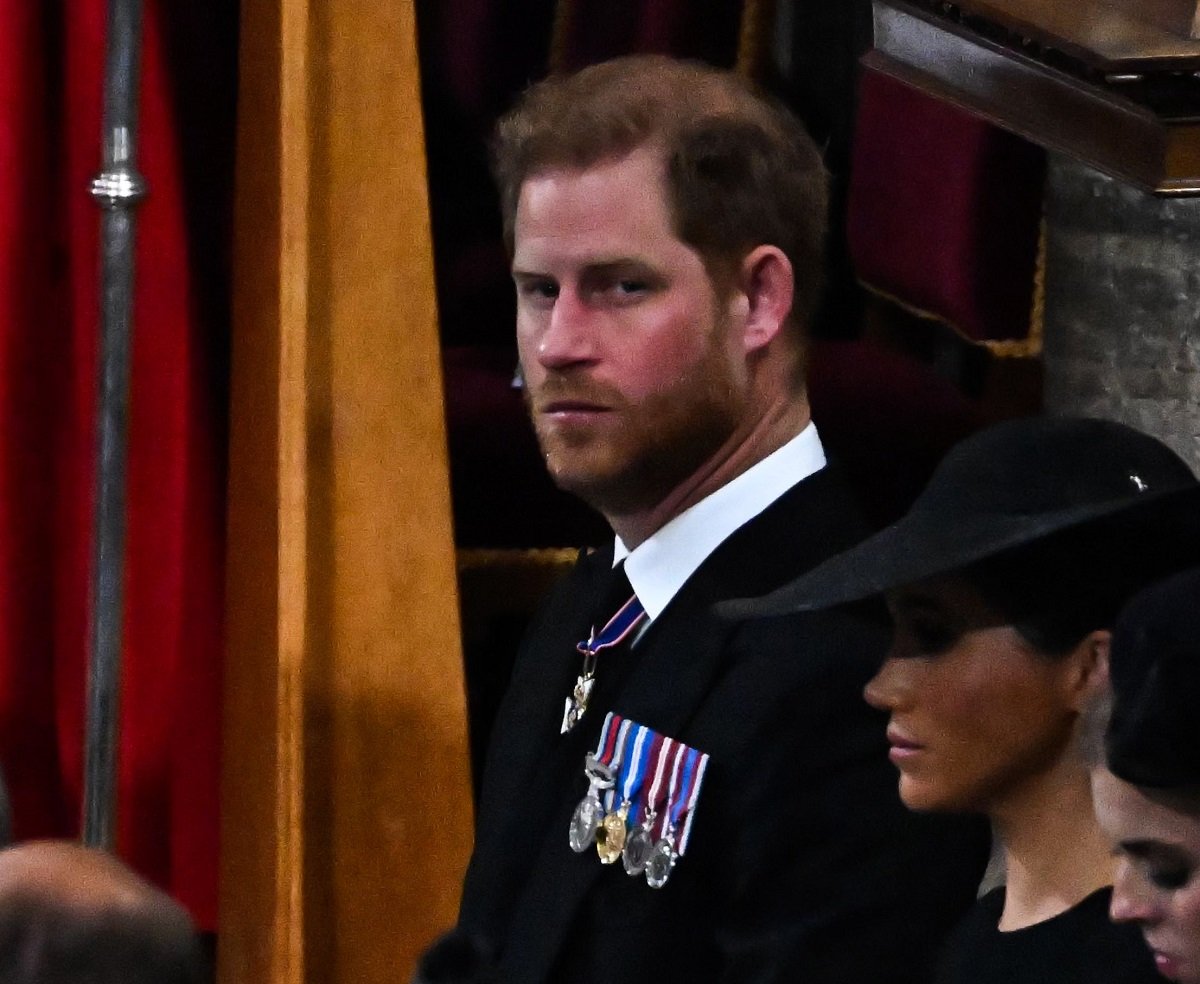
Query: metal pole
117	190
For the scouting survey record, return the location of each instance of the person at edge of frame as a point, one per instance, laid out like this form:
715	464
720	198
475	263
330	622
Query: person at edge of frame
1146	775
666	226
71	914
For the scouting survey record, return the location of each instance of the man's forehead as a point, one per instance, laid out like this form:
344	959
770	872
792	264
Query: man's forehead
614	212
650	155
641	171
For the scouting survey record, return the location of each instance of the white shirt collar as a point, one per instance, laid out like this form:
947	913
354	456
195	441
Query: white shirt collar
660	566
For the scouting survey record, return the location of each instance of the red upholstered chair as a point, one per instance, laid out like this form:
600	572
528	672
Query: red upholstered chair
944	211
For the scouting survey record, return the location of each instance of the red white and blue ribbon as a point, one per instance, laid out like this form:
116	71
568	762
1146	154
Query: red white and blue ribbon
616	630
656	777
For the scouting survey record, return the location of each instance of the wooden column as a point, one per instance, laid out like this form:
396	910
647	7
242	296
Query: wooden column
346	804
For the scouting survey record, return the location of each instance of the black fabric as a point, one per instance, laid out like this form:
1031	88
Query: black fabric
803	863
1079	946
1004	487
615	593
1153	734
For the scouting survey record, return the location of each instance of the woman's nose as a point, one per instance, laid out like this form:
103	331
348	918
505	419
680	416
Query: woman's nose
1134	899
886	689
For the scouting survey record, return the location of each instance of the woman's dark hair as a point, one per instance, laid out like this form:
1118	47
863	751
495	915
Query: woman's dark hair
1057	590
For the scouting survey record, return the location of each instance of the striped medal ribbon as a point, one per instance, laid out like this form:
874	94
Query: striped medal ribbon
616	630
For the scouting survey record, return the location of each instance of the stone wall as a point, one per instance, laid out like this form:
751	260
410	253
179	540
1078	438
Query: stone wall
1122	309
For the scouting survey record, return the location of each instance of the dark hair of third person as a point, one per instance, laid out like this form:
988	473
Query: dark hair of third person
740	170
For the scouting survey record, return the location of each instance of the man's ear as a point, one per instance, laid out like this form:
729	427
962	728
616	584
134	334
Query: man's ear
1089	675
766	282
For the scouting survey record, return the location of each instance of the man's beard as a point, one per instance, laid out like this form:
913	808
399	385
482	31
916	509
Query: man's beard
665	438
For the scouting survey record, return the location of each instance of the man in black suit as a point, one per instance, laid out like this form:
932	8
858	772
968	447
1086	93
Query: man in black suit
666	228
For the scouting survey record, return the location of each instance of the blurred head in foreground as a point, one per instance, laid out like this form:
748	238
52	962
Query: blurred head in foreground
74	915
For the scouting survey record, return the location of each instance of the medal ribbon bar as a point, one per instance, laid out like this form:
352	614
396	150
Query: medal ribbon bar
637	820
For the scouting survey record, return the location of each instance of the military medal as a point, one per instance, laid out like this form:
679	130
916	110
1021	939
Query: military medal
610	835
615	631
589	814
638	847
640	843
687	774
641	799
576	704
660	864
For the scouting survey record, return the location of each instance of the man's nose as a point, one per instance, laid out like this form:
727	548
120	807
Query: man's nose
568	336
1134	898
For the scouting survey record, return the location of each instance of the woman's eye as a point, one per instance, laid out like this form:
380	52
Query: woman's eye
1169	878
932	638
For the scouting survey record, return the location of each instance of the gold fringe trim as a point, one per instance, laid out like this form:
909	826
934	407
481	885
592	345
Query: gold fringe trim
541	557
1029	347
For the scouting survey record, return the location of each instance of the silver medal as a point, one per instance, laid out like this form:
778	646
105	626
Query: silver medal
589	814
638	848
660	864
585	821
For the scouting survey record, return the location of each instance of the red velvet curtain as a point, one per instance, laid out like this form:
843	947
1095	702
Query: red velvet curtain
51	62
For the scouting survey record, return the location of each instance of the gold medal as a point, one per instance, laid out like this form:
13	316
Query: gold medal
610	835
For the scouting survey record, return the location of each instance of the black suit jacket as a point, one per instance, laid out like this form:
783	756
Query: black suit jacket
803	864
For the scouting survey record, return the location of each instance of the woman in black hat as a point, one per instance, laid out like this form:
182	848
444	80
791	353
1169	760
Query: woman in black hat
1003	580
1148	799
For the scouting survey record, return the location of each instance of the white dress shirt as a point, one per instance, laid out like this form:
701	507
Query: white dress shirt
660	566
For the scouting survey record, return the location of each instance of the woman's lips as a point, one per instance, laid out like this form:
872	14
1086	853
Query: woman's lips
903	748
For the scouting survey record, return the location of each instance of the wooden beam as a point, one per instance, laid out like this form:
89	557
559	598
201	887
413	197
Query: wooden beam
346	804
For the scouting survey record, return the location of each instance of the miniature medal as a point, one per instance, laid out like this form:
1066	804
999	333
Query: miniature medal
648	755
660	863
662	855
589	814
576	705
610	835
638	847
615	631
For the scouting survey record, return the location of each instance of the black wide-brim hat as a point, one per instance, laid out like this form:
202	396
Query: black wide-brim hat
1153	736
1004	487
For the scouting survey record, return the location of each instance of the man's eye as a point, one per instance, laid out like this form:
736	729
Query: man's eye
538	289
630	286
